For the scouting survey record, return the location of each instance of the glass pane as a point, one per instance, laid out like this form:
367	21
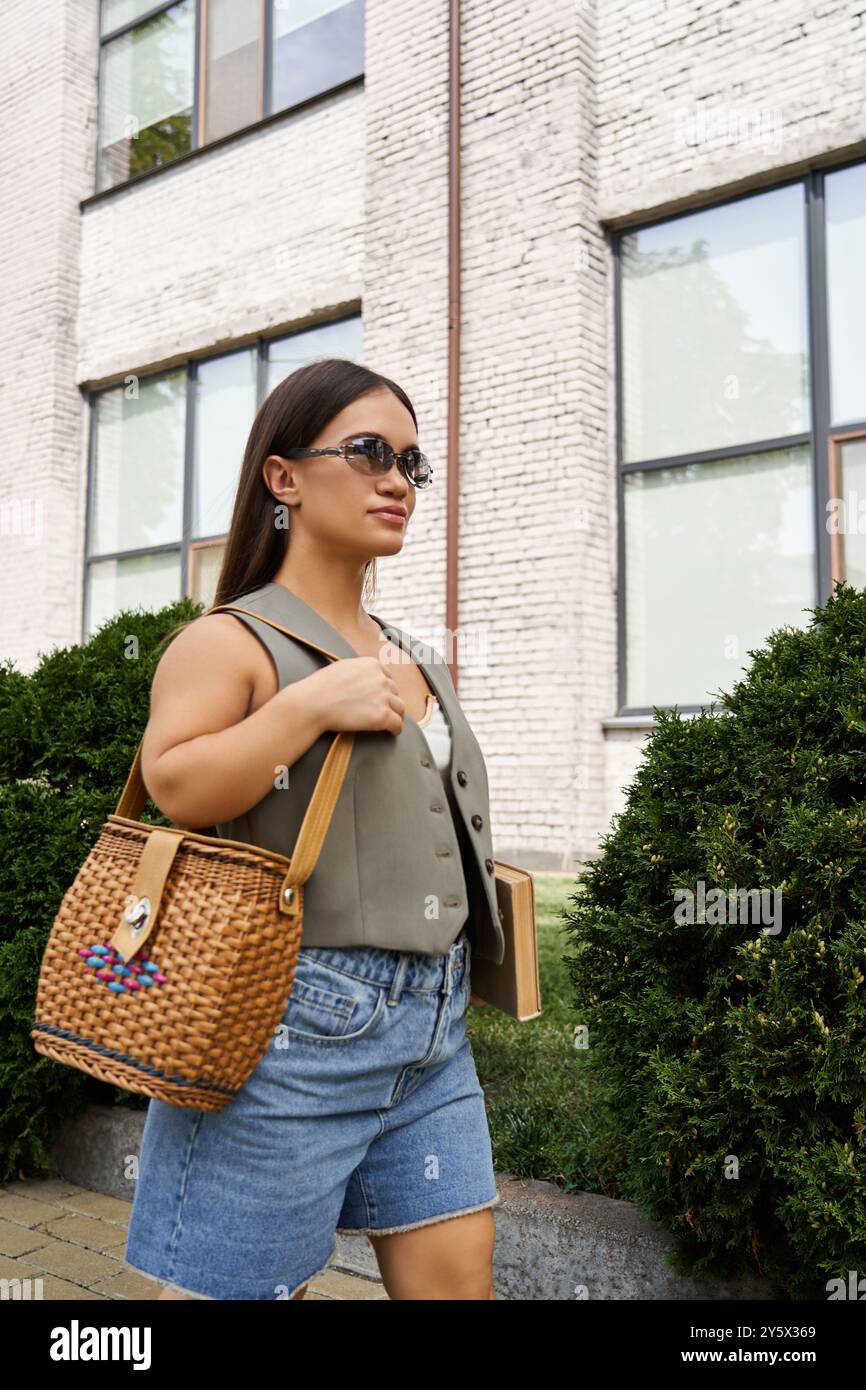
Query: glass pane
205	564
146	95
225	404
846	292
137	493
232	89
316	44
846	515
341	339
717	555
714	328
143	581
116	13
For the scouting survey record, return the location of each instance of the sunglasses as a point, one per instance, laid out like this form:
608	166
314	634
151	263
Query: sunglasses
369	454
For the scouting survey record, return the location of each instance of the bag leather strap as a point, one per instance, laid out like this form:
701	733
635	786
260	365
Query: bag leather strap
311	835
142	904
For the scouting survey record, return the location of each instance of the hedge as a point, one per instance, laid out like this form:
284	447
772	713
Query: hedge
728	1053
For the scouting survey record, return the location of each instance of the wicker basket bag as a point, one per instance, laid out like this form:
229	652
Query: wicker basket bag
173	954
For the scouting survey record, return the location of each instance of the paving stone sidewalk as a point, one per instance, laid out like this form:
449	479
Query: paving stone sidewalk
73	1240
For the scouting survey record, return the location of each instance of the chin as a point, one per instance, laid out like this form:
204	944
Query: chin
393	549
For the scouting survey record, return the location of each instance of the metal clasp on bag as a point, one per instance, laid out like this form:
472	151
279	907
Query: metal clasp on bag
137	913
292	900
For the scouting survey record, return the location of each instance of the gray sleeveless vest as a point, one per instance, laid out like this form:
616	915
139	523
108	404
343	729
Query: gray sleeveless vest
406	862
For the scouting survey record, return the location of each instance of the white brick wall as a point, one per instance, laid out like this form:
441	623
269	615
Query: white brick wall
536	539
48	64
696	97
576	118
262	232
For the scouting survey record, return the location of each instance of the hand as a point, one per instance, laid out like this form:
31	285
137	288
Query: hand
357	693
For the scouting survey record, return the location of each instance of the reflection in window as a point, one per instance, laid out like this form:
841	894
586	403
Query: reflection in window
232	96
717	555
845	202
714	328
846	511
146	95
137	481
316	44
149	582
225	403
116	13
340	339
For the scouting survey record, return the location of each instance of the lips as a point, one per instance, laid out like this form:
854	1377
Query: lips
392	513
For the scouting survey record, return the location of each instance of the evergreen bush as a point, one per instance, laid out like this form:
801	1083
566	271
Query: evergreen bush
68	735
728	1054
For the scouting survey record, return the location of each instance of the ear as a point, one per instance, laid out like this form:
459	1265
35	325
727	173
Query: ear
278	476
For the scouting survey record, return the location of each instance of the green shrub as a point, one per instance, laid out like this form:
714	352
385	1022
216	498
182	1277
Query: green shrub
716	1043
68	735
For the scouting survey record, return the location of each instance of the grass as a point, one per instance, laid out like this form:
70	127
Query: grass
539	1104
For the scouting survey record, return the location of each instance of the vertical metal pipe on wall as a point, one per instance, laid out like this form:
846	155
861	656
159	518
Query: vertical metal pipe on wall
454	249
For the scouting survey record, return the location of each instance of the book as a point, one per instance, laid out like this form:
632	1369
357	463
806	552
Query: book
512	987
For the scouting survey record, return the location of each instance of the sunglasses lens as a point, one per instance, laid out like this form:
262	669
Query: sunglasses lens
372	455
418	469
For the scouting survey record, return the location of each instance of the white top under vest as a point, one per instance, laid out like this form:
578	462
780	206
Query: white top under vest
434	727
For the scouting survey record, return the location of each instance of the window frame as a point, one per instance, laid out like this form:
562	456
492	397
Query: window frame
199	146
261	344
821	437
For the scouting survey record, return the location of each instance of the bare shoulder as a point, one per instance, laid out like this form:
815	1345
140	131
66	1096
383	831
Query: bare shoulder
216	644
210	676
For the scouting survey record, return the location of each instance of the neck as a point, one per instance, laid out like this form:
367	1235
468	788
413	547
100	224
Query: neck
332	586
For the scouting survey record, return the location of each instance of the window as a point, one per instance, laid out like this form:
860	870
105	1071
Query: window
231	92
315	44
146	93
845	199
177	76
740	362
166	453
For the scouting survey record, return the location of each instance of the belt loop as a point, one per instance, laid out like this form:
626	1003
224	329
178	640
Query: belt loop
396	989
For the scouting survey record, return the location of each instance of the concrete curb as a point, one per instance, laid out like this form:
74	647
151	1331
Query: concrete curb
550	1245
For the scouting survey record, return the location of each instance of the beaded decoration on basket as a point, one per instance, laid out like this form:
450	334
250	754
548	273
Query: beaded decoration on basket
104	963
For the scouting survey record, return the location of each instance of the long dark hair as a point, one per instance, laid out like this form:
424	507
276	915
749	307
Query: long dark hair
297	409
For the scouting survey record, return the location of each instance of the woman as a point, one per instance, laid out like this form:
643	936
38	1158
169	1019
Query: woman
366	1113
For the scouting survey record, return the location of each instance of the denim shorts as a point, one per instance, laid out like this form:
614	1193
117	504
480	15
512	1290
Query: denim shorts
365	1115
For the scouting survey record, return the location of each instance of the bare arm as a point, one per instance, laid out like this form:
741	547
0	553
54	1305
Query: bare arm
204	761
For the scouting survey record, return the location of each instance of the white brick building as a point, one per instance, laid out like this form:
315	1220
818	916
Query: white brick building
662	298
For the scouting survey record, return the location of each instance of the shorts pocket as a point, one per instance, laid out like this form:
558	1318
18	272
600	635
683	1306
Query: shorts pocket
327	1006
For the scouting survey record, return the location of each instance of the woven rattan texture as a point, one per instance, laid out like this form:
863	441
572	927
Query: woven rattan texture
225	958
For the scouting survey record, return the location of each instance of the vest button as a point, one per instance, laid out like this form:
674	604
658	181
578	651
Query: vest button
436	807
462	778
425	762
477	821
489	865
